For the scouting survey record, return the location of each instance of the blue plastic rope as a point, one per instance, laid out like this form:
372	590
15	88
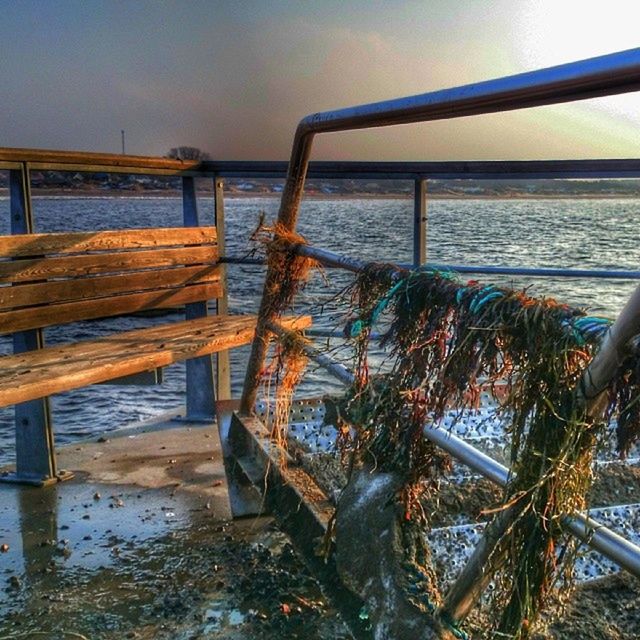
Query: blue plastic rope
453	627
358	326
483	296
587	327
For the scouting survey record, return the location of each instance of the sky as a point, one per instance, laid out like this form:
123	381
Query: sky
234	77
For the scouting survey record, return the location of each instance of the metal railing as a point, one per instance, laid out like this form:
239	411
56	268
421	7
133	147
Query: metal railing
598	537
606	75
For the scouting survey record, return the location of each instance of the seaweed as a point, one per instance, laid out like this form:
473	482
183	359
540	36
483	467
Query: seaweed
449	341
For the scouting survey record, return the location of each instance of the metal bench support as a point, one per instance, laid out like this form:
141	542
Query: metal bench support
35	456
201	397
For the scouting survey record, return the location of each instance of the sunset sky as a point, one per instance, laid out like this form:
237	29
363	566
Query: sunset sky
235	76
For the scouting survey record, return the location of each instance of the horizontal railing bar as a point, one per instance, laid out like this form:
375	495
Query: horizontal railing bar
45	160
624	553
597	536
327	333
121	169
536	271
443	170
610	74
336	369
104	160
242	260
616	274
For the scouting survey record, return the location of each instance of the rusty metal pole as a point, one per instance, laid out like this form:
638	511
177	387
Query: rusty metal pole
288	218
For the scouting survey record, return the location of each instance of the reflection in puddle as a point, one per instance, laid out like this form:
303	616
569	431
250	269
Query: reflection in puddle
84	560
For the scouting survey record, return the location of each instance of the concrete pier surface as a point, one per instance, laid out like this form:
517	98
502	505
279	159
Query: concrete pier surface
140	544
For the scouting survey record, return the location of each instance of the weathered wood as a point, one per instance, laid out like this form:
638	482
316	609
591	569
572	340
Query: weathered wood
28	295
115	161
38	244
118	305
91	264
10	166
61	368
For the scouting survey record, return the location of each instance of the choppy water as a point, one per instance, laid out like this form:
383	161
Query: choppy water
532	233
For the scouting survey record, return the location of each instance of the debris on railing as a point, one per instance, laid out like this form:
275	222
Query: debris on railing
448	340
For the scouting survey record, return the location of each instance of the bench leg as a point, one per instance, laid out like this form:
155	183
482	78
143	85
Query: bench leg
35	453
201	396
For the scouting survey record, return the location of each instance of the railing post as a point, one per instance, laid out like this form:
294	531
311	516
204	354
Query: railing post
223	366
35	455
420	222
201	399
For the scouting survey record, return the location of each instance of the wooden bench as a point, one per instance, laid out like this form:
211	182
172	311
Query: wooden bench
57	278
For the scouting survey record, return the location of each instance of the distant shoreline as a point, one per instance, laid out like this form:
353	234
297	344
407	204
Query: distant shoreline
170	193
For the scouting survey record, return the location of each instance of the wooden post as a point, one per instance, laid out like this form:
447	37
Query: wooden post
419	222
201	401
35	455
223	366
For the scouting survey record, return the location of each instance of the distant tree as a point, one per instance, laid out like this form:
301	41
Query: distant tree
188	153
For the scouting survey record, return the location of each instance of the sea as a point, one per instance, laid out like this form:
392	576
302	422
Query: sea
563	233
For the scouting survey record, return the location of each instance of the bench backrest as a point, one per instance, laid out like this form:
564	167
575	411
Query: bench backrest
54	278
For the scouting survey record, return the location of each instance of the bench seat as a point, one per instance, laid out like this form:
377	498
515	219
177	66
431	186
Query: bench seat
40	373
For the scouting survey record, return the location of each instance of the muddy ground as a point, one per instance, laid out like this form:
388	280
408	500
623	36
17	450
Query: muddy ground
164	564
604	609
236	581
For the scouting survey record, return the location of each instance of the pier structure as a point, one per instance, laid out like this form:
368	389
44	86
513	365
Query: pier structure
253	460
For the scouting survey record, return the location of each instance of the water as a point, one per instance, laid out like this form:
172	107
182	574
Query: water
527	233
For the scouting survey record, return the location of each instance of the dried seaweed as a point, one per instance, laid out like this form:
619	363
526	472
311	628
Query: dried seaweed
292	269
448	342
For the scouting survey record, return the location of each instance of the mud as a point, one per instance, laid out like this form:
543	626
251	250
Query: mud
211	580
603	609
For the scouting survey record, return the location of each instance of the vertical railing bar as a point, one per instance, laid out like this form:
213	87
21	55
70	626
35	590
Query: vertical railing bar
35	452
223	364
201	400
419	222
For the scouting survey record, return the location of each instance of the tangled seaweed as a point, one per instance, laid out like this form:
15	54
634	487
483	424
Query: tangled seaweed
283	374
292	269
289	362
448	342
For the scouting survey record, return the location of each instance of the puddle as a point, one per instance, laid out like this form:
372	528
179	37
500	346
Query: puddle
85	562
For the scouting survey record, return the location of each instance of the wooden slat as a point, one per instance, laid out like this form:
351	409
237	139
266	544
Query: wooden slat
38	244
29	295
32	375
48	315
9	166
102	263
115	161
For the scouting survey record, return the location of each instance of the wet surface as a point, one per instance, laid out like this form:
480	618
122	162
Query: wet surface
140	545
